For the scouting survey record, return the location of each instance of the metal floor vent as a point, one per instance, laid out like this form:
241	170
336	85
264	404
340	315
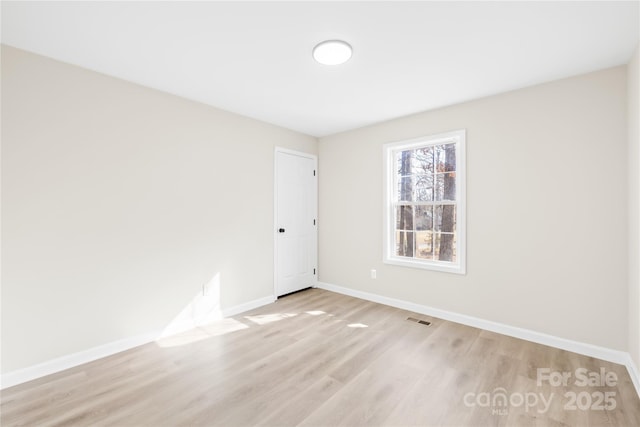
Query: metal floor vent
422	322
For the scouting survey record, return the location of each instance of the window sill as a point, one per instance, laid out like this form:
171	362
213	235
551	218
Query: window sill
426	265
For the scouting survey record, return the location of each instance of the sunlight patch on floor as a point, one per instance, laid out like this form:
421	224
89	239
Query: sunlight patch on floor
213	329
315	312
269	318
357	325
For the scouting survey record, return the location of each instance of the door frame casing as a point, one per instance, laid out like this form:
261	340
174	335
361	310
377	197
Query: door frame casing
314	158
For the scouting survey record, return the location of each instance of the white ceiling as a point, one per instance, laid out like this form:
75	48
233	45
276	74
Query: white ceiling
255	58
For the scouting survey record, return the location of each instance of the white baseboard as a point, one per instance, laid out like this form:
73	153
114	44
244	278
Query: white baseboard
75	359
70	360
603	353
634	373
232	311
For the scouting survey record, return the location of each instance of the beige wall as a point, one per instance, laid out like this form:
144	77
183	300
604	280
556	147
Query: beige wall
546	210
633	88
118	204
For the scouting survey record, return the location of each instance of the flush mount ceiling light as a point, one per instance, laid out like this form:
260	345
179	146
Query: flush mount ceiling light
332	52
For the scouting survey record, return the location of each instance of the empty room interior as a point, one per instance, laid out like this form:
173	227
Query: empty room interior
320	213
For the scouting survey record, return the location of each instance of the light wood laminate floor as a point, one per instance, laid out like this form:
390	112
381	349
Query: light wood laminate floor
320	358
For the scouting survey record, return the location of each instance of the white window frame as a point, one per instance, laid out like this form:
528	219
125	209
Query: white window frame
390	188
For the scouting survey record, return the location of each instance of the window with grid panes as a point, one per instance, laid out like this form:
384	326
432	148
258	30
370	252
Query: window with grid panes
424	202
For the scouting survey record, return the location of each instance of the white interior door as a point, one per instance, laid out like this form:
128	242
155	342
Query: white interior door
295	221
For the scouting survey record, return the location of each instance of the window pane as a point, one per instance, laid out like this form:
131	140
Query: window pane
445	186
423	161
403	165
445	157
439	157
450	157
424	217
424	245
404	218
424	188
404	243
445	218
405	188
445	247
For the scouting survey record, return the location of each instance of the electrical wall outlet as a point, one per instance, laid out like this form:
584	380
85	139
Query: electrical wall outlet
206	289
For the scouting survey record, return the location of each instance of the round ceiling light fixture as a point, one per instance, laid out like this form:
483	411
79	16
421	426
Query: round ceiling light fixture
332	52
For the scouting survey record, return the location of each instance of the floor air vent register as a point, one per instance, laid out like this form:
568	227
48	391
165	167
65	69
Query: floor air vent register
422	322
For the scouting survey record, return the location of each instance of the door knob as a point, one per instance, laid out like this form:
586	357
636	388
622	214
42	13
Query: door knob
281	230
